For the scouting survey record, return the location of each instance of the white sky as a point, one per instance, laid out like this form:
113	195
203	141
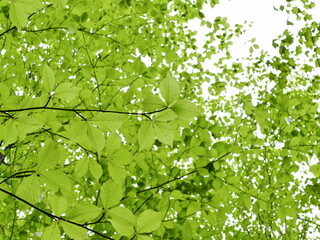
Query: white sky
267	23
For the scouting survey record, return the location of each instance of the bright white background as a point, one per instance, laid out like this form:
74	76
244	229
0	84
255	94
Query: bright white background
267	24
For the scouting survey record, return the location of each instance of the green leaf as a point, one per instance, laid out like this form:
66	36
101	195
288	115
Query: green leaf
73	231
164	132
169	89
10	133
48	78
122	220
146	135
49	155
18	15
315	170
148	221
117	171
55	180
81	167
152	103
29	189
113	142
84	212
87	135
108	122
122	156
187	230
111	194
3	195
59	203
66	92
52	232
165	116
185	109
143	237
60	4
95	169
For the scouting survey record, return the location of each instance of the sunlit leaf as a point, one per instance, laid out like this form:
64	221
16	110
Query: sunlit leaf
74	231
48	78
185	109
111	194
52	232
29	189
122	220
95	169
169	89
164	132
148	221
84	212
146	135
152	103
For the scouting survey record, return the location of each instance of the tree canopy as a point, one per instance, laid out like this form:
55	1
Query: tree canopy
107	130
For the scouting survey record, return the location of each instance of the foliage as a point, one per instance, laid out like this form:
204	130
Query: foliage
106	133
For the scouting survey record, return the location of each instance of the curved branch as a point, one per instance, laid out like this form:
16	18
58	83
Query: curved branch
54	216
10	29
162	184
82	110
17	175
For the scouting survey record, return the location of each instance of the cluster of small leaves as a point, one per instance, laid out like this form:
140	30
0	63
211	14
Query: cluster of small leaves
105	133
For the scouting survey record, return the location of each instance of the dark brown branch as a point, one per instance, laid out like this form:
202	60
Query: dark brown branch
172	180
177	178
144	202
18	175
10	29
54	216
82	110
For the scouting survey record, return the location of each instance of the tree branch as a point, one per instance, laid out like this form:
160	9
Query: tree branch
10	29
54	216
82	110
17	175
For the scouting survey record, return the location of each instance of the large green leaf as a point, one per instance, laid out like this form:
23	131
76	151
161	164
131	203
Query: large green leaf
148	221
55	180
18	15
87	135
111	194
10	133
164	132
185	109
152	103
113	142
81	167
166	115
117	171
122	220
50	155
169	89
84	212
52	232
108	122
315	169
29	189
66	91
48	78
59	203
60	3
95	169
73	231
146	135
